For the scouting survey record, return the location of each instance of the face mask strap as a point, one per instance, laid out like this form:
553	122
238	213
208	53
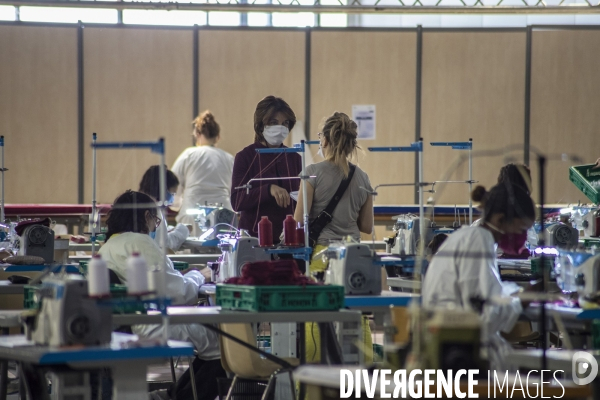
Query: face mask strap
500	231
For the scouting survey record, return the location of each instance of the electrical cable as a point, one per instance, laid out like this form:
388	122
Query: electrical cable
268	356
312	334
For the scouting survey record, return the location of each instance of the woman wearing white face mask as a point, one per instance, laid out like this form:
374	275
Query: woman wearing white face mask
273	120
150	185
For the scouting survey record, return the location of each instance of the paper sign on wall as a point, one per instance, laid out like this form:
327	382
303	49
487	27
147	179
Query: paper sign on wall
364	116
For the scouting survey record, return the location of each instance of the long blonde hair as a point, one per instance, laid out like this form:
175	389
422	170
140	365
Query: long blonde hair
340	132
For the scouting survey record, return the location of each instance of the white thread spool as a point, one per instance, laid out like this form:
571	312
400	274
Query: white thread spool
157	281
137	274
97	275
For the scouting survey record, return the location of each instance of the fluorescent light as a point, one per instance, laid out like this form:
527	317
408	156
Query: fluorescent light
224	18
164	17
68	15
7	13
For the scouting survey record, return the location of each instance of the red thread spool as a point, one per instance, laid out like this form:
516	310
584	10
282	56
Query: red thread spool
265	232
300	235
289	231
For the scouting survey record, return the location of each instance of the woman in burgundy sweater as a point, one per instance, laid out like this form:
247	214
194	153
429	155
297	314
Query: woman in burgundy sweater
273	120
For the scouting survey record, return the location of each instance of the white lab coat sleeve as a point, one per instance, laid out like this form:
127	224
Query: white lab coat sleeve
478	277
182	289
176	237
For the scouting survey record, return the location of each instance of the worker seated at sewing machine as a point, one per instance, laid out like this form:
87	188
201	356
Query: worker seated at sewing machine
465	267
150	185
129	231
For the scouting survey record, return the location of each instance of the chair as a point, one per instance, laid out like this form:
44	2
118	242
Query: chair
247	364
521	334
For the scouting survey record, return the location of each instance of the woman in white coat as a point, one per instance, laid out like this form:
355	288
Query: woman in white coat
204	171
129	231
465	266
150	185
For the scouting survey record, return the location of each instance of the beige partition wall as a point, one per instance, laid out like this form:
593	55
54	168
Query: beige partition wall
473	87
565	99
238	68
138	87
38	113
370	68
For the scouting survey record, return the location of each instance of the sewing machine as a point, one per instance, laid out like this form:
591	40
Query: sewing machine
67	316
38	240
407	232
591	224
352	265
562	235
236	252
209	219
587	278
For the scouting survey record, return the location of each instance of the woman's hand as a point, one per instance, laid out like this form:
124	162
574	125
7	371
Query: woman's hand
597	164
281	196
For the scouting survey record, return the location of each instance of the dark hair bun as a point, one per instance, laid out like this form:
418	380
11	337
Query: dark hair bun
478	194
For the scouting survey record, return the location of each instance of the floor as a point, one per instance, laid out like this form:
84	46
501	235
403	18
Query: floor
156	373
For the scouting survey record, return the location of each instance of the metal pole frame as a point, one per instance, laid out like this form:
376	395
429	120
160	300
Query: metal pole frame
195	75
418	148
527	116
80	116
463	146
2	219
418	88
470	181
93	221
307	81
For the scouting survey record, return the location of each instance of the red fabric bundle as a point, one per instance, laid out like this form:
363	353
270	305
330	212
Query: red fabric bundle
20	228
271	273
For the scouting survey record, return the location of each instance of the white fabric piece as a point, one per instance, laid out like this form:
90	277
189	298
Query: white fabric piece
204	174
175	238
183	290
465	267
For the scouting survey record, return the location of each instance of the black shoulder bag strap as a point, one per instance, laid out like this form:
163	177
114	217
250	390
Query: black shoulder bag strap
326	215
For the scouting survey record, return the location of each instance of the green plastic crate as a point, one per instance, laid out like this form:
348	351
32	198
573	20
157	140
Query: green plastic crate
116	291
582	176
588	243
280	298
181	265
83	264
536	266
29	300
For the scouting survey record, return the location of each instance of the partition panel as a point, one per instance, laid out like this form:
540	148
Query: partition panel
38	113
137	88
564	106
238	68
370	68
473	87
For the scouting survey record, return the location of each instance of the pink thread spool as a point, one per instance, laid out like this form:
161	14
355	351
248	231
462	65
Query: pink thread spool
265	232
289	231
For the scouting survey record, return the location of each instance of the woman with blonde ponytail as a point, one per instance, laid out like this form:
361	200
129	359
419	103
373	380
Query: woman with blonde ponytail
204	171
354	211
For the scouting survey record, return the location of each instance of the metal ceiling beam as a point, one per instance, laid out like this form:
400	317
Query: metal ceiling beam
584	8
